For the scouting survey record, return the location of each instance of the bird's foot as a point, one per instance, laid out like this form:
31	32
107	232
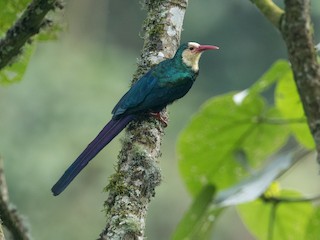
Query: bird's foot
162	118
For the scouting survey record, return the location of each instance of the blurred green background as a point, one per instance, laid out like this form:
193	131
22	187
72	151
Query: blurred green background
71	86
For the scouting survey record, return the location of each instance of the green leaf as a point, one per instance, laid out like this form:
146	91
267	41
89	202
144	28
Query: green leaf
276	72
313	228
198	221
14	73
254	186
287	100
226	125
289	222
9	12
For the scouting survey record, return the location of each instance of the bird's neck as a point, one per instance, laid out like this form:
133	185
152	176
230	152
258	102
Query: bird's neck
191	60
187	65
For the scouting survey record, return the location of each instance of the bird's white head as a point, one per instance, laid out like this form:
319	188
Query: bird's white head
192	53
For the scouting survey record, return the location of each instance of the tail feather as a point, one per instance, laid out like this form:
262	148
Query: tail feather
112	129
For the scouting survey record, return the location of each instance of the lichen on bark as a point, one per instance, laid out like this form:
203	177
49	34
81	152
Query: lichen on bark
138	173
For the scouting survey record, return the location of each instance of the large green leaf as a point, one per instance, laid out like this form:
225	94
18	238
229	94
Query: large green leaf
289	221
225	126
197	223
276	72
287	100
313	228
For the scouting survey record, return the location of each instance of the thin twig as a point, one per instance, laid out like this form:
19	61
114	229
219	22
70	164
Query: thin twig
290	200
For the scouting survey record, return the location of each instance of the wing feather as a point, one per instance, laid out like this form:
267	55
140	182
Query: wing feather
136	94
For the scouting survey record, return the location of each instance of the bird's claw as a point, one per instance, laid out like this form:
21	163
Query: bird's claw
163	119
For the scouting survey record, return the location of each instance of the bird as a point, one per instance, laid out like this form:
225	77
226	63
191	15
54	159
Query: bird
164	83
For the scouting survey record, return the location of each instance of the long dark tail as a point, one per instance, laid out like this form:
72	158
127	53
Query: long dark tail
112	129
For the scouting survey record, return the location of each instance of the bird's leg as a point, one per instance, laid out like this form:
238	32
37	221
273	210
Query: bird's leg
162	118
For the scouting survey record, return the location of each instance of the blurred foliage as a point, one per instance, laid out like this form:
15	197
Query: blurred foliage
9	12
288	102
259	183
71	85
290	220
224	126
231	136
14	72
313	230
198	221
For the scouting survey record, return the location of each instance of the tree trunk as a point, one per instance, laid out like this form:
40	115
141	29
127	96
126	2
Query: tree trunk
133	185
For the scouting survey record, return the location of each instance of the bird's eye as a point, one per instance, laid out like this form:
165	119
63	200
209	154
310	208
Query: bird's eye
191	48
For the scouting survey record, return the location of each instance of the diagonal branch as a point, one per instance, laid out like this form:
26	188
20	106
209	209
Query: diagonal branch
133	185
25	27
270	10
296	29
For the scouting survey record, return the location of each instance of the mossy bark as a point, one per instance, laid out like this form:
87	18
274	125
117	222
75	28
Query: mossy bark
138	173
